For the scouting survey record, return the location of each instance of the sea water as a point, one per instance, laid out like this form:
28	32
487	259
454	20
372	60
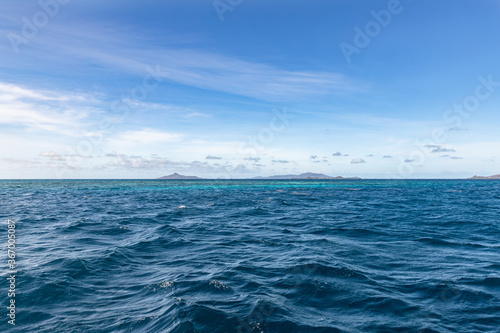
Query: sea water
252	256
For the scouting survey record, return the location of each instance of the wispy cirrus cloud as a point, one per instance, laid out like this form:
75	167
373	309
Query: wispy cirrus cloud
56	112
12	92
202	69
148	136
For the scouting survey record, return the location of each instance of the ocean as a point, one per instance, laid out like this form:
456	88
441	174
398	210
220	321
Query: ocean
251	256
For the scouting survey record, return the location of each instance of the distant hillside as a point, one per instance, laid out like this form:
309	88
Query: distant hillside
177	176
307	175
482	177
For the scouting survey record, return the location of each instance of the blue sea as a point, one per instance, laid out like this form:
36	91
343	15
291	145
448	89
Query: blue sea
253	256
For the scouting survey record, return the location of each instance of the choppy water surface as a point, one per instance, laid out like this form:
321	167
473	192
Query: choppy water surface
254	256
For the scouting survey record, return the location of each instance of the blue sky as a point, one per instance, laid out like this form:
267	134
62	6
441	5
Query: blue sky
232	89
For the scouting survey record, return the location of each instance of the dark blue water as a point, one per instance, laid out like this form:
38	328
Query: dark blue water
253	256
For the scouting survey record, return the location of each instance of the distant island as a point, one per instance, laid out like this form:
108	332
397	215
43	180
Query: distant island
177	176
482	177
307	175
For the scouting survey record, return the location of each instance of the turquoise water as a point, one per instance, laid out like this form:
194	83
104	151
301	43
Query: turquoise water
254	256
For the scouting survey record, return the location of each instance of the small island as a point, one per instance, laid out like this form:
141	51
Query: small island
302	176
482	177
177	176
307	175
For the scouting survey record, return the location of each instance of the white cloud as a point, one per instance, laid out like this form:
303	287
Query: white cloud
254	159
211	157
161	164
358	161
10	92
52	155
205	70
41	110
22	162
148	136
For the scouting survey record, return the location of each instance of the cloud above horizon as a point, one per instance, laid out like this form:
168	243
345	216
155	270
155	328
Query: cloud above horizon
115	161
211	157
254	159
439	149
53	156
